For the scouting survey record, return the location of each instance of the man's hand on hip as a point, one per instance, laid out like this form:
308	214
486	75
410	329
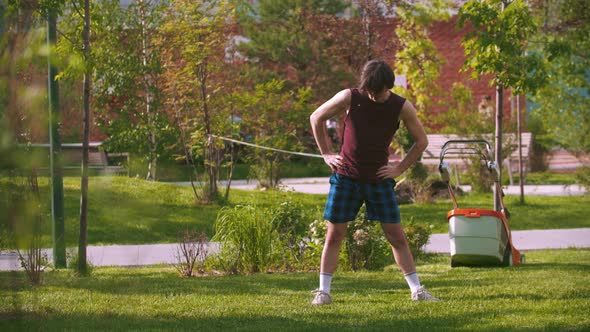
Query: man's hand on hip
333	160
389	172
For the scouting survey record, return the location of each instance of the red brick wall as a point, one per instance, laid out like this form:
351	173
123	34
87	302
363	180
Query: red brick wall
447	38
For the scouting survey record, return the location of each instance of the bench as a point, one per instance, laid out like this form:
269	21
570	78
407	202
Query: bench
98	159
431	156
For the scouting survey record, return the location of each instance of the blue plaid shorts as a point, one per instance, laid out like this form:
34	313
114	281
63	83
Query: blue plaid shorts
347	196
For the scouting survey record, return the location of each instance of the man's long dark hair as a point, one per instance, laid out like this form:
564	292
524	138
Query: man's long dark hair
376	76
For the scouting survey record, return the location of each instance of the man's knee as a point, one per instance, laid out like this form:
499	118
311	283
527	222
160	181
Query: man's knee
336	234
395	236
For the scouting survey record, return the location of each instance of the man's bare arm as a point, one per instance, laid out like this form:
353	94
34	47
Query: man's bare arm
410	118
331	108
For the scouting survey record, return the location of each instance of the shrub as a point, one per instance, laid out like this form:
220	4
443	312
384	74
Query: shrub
27	226
291	221
246	234
191	252
33	260
272	239
314	241
366	245
417	235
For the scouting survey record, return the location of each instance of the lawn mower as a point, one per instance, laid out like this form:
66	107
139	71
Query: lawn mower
478	237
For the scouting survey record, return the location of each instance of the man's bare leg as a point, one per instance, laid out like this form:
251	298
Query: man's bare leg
403	257
399	245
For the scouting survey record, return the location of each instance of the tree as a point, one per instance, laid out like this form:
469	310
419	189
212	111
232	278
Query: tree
274	117
128	71
22	106
417	57
195	37
294	41
366	17
77	38
496	45
460	117
563	105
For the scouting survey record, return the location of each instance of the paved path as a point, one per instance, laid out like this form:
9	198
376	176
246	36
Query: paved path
322	186
133	255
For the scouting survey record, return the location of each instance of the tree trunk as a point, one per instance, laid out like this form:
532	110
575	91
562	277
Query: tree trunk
231	162
498	144
55	164
188	155
210	156
147	81
367	33
520	163
82	264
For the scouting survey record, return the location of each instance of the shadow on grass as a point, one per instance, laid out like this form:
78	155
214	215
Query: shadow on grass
312	319
281	302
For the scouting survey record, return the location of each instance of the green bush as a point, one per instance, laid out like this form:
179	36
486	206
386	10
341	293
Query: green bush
283	239
261	239
366	245
73	259
246	235
292	221
314	241
418	235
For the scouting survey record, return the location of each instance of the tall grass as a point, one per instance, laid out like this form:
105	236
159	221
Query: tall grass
246	235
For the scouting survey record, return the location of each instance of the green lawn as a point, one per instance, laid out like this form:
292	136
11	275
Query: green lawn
133	211
538	212
550	293
125	210
310	167
545	178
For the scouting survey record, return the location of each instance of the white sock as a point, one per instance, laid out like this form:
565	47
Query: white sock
413	282
325	282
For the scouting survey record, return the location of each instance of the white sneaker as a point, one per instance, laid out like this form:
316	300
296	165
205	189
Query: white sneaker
421	294
321	297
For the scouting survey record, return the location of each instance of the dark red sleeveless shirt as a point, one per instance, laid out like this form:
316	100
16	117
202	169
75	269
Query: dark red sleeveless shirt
368	130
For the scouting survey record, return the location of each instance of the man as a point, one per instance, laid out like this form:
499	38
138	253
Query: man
361	173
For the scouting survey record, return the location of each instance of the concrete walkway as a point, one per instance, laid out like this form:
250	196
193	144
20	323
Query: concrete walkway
149	254
321	185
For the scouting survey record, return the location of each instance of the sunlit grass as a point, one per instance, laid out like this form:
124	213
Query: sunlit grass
551	292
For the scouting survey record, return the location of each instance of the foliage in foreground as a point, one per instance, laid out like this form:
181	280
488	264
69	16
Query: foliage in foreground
550	293
288	238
